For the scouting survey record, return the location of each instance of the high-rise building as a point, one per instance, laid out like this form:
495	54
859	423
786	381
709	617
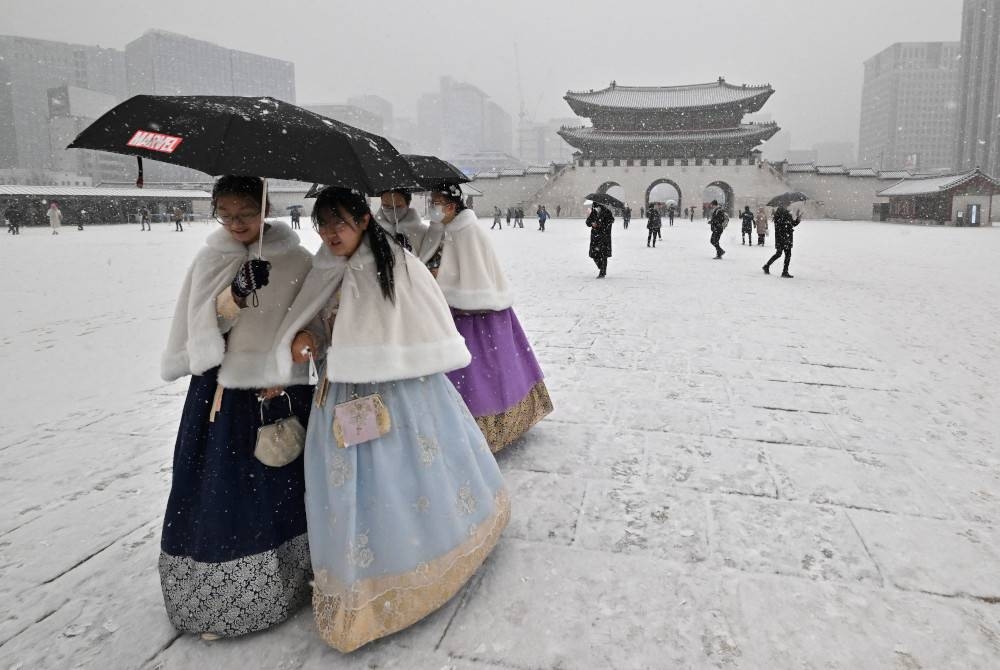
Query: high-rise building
164	63
460	119
498	129
978	136
541	144
429	123
29	68
55	89
909	107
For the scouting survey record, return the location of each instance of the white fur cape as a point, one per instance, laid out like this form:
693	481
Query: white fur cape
375	340
410	226
196	342
470	275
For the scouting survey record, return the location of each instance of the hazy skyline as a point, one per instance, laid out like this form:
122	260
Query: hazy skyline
810	51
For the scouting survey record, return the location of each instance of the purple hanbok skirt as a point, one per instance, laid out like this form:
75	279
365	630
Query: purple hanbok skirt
503	386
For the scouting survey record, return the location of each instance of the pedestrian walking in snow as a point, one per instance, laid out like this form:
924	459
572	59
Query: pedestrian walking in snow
178	218
144	219
386	556
760	221
626	217
784	233
520	217
296	218
670	214
746	230
653	225
55	217
558	210
600	222
234	555
543	216
509	213
496	218
717	221
691	211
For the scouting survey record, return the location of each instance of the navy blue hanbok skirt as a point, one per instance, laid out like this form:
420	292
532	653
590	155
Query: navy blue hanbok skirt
234	554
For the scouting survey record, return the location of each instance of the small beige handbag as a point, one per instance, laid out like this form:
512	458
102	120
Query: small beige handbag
281	442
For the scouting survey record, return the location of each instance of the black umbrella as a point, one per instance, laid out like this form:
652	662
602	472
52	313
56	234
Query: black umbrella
605	199
429	172
785	199
257	136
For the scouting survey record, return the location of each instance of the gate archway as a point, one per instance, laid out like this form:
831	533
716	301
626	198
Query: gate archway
721	191
664	191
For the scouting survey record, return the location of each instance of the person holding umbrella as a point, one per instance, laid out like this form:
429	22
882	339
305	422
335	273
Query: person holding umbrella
503	386
600	221
784	232
402	222
402	516
234	555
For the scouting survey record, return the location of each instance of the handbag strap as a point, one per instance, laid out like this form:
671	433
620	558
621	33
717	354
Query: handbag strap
263	400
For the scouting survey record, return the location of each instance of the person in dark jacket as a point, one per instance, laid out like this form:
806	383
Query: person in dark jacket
784	232
599	222
691	211
653	225
670	214
509	212
626	217
746	231
717	221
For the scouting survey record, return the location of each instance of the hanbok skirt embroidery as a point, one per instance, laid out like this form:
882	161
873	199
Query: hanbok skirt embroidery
399	524
503	385
234	553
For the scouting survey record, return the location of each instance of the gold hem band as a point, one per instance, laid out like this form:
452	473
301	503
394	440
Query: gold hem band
351	616
502	429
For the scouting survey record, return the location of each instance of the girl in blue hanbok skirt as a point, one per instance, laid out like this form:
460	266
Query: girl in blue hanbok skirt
401	519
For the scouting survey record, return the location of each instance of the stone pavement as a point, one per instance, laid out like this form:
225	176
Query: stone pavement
741	471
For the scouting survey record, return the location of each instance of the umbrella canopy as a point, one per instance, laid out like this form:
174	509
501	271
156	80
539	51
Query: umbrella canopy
264	137
429	172
605	199
785	199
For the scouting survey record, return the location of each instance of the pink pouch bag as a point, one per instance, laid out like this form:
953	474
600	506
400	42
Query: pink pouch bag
360	420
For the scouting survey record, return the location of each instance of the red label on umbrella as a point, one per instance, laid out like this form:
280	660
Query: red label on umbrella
146	139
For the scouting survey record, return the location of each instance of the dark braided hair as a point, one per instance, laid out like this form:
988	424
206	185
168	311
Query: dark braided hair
241	185
336	199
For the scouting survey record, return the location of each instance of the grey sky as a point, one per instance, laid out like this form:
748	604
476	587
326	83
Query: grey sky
811	51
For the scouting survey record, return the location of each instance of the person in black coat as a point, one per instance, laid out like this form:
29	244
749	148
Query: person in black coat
599	222
746	233
717	221
784	232
626	217
653	225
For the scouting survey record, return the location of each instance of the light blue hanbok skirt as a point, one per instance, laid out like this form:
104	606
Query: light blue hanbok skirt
397	525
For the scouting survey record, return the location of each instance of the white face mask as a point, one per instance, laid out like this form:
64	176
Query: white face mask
437	213
394	214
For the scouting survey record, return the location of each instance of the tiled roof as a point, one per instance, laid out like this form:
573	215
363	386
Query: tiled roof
830	169
932	185
894	174
800	167
861	172
97	191
659	97
746	131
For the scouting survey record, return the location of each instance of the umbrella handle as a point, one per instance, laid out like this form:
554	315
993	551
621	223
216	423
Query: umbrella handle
263	213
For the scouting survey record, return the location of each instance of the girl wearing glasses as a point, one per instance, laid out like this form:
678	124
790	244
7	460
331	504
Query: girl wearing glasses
234	553
503	386
400	518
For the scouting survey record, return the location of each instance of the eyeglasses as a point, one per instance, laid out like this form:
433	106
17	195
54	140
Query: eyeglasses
337	225
228	220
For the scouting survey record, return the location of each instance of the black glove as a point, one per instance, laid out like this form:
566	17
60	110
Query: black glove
252	275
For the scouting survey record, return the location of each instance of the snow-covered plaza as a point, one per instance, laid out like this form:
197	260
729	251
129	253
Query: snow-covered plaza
742	471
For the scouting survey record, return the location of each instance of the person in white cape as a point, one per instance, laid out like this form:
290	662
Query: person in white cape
400	220
403	497
234	553
503	386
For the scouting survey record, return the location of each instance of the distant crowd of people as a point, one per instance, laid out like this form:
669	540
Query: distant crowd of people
516	215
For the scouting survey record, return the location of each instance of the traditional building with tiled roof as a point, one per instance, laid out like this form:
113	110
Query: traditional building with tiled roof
669	122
